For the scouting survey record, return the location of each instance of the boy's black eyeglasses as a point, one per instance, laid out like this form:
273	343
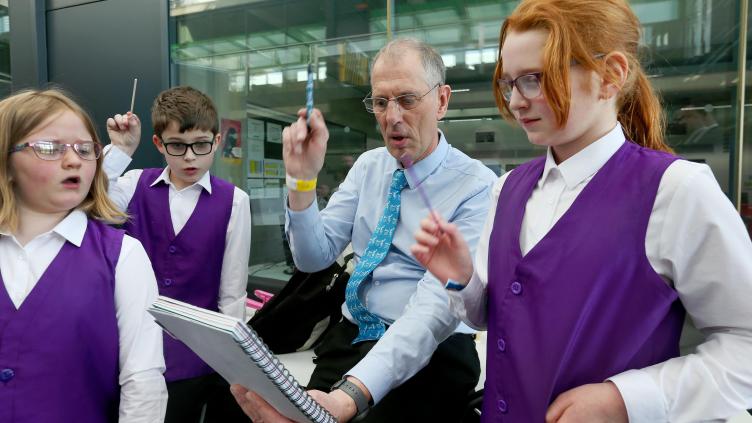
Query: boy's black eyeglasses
199	148
528	85
405	101
53	150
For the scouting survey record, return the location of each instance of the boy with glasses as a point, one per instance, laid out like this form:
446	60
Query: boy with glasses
196	229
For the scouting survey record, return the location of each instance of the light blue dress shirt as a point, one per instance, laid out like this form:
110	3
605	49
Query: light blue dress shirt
400	291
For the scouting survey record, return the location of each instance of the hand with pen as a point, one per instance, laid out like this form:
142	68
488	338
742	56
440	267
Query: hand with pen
125	132
442	250
303	150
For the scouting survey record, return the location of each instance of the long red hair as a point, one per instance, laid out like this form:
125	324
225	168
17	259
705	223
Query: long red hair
579	31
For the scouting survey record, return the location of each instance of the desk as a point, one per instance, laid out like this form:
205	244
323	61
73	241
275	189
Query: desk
300	364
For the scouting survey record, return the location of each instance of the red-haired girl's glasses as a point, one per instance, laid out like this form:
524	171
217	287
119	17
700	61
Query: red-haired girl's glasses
528	85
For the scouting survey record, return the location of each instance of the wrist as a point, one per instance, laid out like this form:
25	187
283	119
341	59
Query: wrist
455	285
300	185
347	408
126	149
300	201
358	399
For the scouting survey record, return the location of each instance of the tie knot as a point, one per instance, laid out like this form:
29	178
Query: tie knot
399	180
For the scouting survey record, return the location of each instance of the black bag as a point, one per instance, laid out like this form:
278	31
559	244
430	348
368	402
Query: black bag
306	308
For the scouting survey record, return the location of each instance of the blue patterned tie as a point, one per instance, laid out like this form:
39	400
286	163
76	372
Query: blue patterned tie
370	327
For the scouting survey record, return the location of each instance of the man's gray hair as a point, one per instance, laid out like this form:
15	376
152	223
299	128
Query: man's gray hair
433	64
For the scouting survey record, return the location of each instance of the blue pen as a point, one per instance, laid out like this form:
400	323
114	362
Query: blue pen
309	95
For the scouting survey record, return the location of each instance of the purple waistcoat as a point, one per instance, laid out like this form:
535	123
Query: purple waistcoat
584	304
59	350
188	266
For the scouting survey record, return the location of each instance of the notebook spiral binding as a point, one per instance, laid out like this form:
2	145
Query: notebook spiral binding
281	377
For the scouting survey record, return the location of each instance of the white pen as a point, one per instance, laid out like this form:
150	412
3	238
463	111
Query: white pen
133	95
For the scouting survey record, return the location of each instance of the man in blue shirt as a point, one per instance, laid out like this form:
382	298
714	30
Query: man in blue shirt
398	350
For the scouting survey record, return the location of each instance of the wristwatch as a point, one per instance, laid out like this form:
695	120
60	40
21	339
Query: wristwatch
362	403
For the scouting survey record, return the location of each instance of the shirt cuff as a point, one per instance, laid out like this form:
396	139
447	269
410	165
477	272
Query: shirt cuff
642	396
375	378
302	216
116	161
143	398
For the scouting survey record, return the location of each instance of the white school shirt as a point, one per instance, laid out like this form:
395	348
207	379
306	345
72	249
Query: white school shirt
697	243
233	281
143	393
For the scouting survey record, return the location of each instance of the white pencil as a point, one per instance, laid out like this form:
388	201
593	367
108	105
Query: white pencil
133	96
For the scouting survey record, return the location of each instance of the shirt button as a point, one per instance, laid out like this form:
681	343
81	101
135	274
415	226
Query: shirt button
168	282
501	344
516	288
502	406
6	374
172	249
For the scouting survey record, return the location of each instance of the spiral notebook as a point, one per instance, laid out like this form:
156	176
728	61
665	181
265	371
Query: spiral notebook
237	353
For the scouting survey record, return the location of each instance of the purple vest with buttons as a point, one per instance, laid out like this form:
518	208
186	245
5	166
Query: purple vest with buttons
584	304
188	265
59	350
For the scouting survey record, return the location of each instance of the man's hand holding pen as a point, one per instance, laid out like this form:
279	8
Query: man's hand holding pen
303	151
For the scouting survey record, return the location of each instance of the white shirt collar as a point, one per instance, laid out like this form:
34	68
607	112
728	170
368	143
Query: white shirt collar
204	182
588	161
72	228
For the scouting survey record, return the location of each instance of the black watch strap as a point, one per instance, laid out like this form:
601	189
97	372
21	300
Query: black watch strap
361	401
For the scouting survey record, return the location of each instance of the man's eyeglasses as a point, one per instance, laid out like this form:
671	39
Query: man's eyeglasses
53	150
528	85
199	148
405	101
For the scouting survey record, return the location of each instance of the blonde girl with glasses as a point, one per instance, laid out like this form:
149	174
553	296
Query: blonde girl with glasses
593	254
73	290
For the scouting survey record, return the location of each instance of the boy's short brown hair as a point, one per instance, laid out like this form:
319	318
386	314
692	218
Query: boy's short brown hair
188	107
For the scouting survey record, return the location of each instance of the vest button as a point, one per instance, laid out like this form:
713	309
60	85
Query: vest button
6	374
501	344
172	249
502	406
516	288
168	282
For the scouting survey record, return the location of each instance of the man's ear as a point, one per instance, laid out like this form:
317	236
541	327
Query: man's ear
445	91
617	66
218	140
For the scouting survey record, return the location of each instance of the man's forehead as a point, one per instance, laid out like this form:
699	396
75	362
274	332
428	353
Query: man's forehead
396	83
396	89
406	65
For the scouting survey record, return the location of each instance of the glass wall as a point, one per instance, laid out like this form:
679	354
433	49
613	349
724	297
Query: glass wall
4	50
251	57
746	145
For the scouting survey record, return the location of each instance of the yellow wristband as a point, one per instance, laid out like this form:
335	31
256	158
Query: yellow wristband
300	185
